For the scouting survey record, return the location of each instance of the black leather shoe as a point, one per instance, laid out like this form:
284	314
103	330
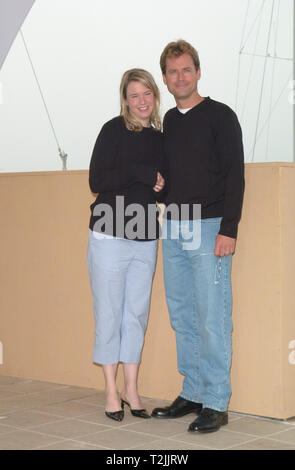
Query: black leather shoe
180	407
209	421
116	415
138	413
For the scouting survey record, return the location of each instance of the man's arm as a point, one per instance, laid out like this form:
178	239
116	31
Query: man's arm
230	148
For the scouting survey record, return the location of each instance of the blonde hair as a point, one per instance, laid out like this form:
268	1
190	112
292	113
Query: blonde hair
176	49
144	77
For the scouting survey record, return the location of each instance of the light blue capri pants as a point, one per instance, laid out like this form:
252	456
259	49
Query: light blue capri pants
121	273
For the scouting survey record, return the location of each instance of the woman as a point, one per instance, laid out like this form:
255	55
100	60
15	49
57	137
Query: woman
125	170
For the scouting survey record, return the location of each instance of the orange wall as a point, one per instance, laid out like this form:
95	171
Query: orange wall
46	320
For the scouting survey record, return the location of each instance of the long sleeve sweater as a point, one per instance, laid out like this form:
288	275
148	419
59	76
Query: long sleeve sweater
125	163
205	162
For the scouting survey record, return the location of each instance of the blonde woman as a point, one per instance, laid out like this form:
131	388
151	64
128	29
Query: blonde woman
126	171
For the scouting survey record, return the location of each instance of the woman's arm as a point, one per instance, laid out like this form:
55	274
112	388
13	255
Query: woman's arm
104	175
104	172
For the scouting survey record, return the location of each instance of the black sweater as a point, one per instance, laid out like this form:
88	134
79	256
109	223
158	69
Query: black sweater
125	163
205	162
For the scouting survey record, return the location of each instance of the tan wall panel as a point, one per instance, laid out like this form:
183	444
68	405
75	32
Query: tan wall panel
47	301
256	297
46	319
287	287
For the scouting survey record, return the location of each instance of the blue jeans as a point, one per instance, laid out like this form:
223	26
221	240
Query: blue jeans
198	292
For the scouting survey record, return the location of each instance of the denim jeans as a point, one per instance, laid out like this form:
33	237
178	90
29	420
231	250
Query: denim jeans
198	293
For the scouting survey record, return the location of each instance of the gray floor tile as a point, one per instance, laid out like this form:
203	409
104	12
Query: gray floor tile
24	402
62	395
30	386
216	440
70	445
119	439
6	429
6	380
6	409
70	428
25	440
97	399
156	403
69	409
264	444
28	419
286	436
99	417
158	427
167	444
4	393
9	405
255	426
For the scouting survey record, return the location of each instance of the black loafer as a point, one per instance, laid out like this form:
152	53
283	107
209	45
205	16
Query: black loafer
180	407
209	421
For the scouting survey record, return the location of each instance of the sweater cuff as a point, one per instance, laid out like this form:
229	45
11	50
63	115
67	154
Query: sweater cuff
228	228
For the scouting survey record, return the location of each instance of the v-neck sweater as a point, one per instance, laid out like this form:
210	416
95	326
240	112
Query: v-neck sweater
204	162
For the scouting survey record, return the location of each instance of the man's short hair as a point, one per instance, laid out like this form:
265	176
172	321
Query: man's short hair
176	49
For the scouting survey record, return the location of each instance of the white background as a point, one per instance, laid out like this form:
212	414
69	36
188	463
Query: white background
80	50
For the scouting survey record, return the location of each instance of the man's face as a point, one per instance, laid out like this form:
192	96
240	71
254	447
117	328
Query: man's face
181	76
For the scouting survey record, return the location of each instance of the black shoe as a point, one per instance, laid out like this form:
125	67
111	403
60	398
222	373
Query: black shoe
178	408
116	415
138	413
209	421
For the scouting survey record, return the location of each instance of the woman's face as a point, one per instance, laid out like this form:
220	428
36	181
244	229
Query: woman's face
141	102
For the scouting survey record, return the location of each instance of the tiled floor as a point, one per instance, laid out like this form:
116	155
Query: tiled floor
42	415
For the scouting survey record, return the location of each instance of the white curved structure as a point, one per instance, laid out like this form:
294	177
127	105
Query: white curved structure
12	16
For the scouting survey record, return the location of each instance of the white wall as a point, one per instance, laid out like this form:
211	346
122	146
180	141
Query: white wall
81	48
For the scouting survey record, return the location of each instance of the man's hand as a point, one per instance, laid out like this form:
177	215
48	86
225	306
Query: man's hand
224	246
160	183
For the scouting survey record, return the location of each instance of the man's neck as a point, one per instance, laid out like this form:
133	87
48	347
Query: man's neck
189	102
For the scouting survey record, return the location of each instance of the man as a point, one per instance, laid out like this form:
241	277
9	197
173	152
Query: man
205	166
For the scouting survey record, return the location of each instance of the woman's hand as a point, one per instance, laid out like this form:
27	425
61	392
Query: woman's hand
160	183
